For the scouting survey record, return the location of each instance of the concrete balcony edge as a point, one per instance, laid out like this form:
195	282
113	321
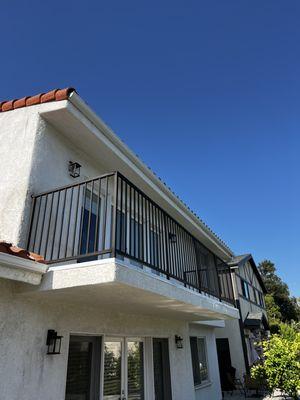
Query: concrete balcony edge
133	285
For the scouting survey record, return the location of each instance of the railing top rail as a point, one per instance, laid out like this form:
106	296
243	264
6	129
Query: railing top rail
34	196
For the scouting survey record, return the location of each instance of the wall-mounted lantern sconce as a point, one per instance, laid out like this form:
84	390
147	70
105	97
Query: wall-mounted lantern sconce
53	342
172	237
74	169
179	342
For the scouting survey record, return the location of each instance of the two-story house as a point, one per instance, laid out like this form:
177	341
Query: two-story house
120	287
238	342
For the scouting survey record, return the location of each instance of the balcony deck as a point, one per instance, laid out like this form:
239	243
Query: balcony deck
107	217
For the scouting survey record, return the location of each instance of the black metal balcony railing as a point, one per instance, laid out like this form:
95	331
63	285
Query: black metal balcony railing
110	217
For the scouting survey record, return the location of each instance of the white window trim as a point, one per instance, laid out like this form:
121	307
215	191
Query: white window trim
203	385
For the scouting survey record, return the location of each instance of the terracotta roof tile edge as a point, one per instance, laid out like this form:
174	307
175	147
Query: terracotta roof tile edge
8	248
52	95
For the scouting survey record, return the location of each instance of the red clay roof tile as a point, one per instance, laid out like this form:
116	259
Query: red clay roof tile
53	95
20	102
32	100
8	248
8	105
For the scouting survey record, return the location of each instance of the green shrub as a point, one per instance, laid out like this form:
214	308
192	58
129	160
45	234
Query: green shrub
281	366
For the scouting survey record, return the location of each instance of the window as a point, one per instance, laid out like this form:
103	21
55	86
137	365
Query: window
255	295
199	360
83	371
261	299
245	289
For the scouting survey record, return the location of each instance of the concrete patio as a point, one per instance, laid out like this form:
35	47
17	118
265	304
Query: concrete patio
237	395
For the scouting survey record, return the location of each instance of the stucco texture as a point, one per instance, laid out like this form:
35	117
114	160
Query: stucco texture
27	373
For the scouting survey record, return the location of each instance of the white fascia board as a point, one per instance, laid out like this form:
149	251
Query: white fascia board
20	269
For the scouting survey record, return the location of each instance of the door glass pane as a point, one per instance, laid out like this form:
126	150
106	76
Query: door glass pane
158	370
161	365
112	370
79	371
135	359
202	358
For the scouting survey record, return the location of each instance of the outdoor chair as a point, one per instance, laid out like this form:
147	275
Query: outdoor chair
251	384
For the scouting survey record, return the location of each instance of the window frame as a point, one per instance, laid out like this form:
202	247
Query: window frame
261	301
256	292
245	289
196	359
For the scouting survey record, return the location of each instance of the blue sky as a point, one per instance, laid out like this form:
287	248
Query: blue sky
207	93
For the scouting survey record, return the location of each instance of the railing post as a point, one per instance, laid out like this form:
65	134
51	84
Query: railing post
198	272
114	221
218	282
167	246
32	210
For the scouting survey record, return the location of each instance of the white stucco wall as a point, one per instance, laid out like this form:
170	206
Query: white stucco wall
18	131
27	372
34	158
212	390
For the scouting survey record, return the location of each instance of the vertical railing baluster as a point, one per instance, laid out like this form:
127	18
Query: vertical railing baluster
69	222
122	219
98	210
55	224
105	216
154	234
125	217
147	230
76	220
87	247
37	222
134	222
151	232
138	225
161	244
115	208
143	229
32	215
48	230
167	246
82	218
130	220
62	222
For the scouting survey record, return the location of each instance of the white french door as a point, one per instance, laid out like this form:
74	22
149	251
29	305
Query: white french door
123	369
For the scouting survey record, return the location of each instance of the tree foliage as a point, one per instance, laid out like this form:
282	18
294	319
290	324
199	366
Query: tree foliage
281	366
280	305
